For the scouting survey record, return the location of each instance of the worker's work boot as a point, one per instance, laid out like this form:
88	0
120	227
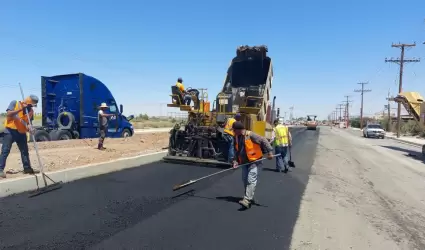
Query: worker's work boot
246	203
31	171
2	174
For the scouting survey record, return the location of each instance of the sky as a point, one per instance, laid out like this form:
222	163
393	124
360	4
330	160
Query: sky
320	49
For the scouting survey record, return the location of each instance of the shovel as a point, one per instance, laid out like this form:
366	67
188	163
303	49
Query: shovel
290	162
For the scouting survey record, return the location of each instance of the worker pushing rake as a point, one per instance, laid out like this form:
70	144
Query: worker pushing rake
249	148
17	124
46	188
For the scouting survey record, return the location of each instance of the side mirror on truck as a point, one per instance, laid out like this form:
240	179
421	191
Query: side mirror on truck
121	108
131	117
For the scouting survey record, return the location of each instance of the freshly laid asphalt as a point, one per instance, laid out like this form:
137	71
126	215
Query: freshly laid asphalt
137	209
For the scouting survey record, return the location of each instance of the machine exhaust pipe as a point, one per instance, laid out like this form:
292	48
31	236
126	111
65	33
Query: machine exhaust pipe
273	109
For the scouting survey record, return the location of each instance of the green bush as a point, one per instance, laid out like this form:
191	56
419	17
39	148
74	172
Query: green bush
355	123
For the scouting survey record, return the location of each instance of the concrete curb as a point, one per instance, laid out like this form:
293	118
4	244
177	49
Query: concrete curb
151	130
28	183
405	142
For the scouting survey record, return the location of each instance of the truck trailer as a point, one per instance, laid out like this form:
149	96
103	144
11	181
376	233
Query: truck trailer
70	105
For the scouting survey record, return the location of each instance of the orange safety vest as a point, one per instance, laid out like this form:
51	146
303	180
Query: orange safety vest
253	150
228	128
20	121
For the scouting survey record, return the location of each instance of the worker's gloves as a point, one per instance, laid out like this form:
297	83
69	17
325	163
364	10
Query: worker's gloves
23	105
270	156
31	129
235	164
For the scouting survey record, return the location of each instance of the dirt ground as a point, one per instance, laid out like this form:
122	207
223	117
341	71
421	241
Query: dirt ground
57	155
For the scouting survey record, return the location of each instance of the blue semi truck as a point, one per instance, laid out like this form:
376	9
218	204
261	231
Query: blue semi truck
70	105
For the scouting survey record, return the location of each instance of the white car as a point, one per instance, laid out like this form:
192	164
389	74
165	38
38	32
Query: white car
373	130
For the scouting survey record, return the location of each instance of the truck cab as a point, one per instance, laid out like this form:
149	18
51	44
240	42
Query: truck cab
70	105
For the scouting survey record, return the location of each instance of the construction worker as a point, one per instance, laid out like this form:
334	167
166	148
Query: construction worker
186	96
228	134
249	147
16	127
282	140
103	120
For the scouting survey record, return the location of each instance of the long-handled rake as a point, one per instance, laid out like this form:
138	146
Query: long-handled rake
46	188
190	182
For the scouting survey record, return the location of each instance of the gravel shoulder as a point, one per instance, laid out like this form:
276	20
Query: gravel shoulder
58	155
362	194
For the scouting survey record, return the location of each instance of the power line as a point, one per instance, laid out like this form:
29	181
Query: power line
362	91
401	62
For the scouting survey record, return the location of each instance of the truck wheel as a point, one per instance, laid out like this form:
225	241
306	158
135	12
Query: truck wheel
71	120
64	135
60	135
126	133
40	135
75	134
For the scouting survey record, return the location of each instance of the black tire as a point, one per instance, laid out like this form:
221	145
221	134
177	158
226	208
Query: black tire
57	135
41	135
71	118
126	133
75	134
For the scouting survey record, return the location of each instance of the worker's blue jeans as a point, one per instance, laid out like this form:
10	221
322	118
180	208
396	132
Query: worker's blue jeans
187	99
231	144
282	159
9	138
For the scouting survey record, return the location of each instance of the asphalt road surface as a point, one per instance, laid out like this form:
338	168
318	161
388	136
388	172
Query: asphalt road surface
347	192
137	209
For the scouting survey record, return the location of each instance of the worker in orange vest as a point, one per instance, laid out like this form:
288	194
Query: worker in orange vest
16	127
249	147
228	130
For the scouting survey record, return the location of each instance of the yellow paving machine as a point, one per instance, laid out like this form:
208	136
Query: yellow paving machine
246	90
414	104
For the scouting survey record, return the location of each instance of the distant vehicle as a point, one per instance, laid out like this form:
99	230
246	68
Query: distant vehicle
311	122
373	131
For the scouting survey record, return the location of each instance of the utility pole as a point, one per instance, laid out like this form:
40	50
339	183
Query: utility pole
340	108
401	62
204	94
291	114
389	110
336	113
362	91
347	113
